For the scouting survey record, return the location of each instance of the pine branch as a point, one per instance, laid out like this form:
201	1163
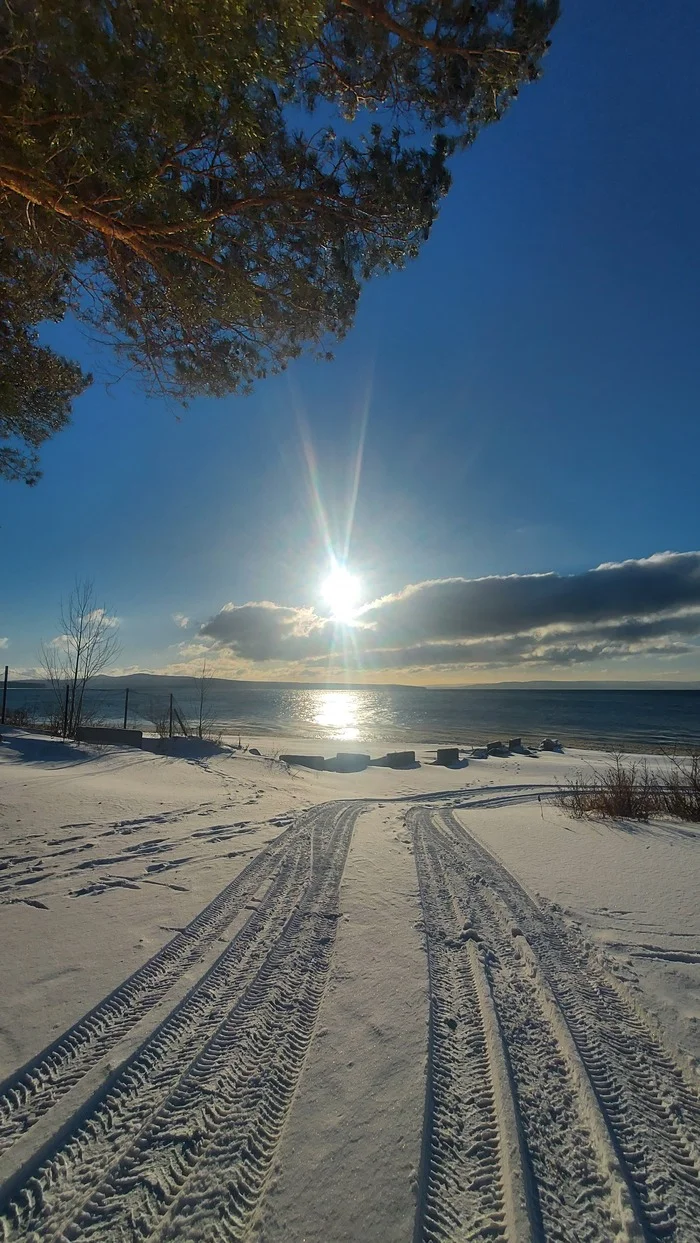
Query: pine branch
375	13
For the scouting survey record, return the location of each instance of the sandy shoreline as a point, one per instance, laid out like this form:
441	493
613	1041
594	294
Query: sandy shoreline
394	740
106	855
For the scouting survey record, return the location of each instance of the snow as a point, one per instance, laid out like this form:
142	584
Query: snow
360	1102
106	854
119	848
632	887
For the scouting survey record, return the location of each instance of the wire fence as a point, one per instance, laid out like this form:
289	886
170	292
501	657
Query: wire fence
50	707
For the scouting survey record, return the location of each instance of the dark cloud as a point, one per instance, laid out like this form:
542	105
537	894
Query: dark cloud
455	608
610	613
265	631
517	649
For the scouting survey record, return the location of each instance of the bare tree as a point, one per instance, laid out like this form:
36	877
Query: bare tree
205	718
88	643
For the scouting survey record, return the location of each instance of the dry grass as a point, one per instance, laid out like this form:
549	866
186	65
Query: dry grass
681	793
629	791
21	718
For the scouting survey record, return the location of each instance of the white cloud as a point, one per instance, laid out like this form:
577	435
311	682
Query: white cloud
100	615
181	621
647	607
27	674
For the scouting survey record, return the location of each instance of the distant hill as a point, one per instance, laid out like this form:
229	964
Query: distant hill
161	681
581	686
152	681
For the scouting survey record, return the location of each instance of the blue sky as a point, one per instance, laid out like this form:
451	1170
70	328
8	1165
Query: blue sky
529	386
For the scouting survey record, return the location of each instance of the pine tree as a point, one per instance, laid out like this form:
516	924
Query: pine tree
164	178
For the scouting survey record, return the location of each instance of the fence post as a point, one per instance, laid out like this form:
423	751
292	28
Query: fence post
65	712
4	694
171	714
126	705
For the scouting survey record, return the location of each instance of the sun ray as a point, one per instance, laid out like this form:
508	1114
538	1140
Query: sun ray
357	472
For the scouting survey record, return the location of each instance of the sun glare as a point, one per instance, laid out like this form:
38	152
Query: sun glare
337	712
341	591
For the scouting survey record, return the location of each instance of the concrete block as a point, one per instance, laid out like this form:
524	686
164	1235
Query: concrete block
550	744
348	762
401	759
498	748
447	756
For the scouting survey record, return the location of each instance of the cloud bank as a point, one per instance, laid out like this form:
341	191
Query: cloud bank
646	607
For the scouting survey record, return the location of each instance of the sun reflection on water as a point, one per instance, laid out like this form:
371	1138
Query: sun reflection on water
338	713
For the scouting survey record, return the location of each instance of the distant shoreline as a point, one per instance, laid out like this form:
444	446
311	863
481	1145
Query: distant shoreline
144	680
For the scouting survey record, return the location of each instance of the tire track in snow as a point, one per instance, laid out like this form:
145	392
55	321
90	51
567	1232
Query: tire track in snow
576	1189
32	1090
181	1144
650	1104
470	1167
531	1131
609	1120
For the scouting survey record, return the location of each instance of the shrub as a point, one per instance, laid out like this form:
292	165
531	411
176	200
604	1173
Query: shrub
632	792
22	718
681	791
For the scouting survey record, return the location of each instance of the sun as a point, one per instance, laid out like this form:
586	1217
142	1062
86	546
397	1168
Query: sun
341	591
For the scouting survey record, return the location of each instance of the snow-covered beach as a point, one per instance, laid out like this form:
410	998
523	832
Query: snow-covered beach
328	1006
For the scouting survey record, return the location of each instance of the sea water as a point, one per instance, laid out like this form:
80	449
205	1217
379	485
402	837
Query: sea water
611	719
